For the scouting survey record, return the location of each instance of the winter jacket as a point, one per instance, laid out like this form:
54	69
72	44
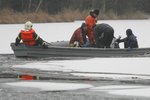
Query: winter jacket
90	21
80	36
129	42
30	38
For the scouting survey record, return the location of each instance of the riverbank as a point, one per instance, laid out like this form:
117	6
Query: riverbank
67	15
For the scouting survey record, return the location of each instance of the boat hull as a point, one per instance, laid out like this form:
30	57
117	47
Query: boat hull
57	51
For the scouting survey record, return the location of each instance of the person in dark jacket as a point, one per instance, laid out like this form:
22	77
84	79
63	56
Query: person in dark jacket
104	35
79	36
130	41
29	36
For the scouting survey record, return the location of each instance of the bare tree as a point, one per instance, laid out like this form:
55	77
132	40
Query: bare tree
39	4
104	6
29	6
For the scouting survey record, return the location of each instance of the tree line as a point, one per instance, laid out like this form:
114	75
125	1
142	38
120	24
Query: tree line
55	6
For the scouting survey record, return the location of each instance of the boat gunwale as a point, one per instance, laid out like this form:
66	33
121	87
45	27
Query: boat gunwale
86	52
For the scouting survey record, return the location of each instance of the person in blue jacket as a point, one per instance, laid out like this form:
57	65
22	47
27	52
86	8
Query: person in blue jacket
130	41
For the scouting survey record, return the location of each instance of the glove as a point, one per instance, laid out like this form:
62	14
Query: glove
76	44
45	45
71	45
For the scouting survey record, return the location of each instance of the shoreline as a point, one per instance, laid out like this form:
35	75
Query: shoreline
12	17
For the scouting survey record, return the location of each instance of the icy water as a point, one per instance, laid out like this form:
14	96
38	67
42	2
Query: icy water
74	78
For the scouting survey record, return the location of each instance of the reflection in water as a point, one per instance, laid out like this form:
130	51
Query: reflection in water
27	77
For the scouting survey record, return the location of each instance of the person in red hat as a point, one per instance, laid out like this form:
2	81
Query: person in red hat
91	20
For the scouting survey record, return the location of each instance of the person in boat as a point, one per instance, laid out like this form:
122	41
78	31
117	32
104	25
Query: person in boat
29	36
104	35
78	38
91	21
130	41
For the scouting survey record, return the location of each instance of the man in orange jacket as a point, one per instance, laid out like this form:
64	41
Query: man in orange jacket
91	20
29	37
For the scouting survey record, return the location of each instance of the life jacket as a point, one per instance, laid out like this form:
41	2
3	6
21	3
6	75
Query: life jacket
90	21
27	37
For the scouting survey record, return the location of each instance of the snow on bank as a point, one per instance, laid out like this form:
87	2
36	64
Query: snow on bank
128	90
50	86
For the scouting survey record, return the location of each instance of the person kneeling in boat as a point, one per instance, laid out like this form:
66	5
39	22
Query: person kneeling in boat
104	35
130	41
29	36
78	38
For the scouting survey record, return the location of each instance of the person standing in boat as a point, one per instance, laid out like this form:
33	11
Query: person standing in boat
78	38
29	36
130	41
104	35
91	21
